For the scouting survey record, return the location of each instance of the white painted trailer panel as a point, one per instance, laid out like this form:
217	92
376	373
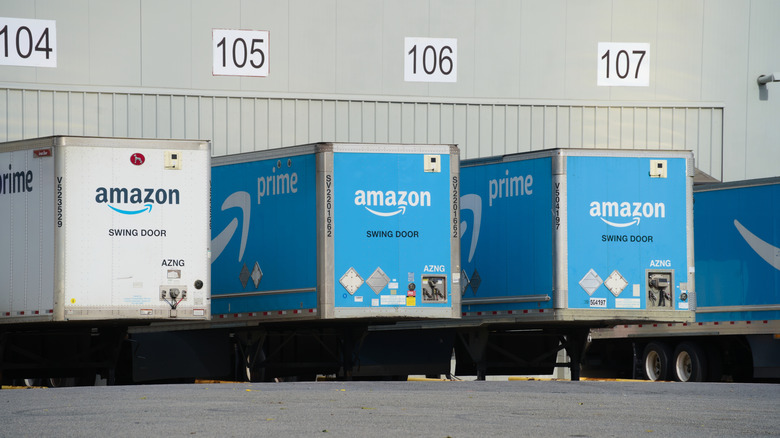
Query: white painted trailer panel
104	229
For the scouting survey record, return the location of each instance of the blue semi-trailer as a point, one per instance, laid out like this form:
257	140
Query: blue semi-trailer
557	242
578	235
336	231
311	245
736	334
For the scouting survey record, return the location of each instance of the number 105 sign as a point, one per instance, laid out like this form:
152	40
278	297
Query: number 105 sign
240	52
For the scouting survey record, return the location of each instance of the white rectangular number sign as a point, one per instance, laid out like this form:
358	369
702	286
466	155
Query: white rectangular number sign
431	60
598	302
240	52
624	65
27	42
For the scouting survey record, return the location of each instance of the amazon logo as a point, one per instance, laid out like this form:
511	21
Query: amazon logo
626	214
473	203
765	250
135	200
243	202
390	202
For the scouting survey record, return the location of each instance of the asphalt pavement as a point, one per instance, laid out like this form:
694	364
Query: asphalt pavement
397	409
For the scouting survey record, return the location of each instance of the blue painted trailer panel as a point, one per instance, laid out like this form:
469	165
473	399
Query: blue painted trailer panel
621	220
506	233
581	231
264	212
738	251
334	230
391	215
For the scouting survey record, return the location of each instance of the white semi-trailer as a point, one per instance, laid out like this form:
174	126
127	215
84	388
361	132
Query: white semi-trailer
96	235
736	334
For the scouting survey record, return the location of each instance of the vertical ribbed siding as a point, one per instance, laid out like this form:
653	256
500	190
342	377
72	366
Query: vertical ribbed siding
242	124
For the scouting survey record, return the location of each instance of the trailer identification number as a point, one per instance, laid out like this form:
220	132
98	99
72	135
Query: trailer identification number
455	207
59	202
557	206
329	205
240	52
598	302
28	42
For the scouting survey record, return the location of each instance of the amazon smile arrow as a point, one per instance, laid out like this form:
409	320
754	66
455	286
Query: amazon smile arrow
147	207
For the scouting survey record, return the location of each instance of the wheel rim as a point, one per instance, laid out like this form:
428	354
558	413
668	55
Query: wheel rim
32	382
653	365
684	366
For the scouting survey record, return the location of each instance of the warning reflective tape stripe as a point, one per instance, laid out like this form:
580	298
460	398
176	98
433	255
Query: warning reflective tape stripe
27	312
504	312
267	313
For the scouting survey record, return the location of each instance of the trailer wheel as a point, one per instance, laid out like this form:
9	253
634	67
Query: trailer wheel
31	383
690	363
60	382
657	357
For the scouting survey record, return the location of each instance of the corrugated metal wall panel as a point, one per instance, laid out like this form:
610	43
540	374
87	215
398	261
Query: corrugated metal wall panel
302	110
76	110
46	113
191	117
315	120
206	124
243	124
484	129
105	114
234	127
472	134
13	110
30	112
219	126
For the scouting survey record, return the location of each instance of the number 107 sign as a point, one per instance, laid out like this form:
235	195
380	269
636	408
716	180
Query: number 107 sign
624	65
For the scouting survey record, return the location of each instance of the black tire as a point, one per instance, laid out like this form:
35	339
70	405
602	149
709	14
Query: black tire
690	363
656	361
60	382
31	383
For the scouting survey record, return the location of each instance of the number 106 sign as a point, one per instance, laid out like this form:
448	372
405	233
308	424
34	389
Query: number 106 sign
431	60
240	52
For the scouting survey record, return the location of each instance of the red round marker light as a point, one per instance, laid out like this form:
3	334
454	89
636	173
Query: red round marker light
137	159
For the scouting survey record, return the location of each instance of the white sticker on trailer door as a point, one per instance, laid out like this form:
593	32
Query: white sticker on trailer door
627	303
598	302
393	300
